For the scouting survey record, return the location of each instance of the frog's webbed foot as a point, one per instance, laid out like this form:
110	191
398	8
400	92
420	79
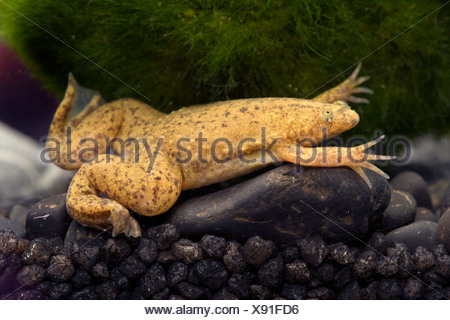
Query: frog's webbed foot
358	159
346	89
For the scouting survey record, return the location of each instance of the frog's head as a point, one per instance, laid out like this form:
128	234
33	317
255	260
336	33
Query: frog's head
323	120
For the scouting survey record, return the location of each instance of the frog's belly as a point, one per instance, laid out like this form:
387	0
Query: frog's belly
197	174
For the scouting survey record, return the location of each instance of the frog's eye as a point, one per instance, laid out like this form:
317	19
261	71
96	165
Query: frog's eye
342	103
327	115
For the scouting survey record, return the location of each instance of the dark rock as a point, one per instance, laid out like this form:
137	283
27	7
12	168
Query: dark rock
406	265
293	292
378	242
187	251
425	214
420	233
88	293
8	241
290	254
342	254
271	273
30	294
122	283
18	214
189	291
8	275
107	290
352	291
48	218
59	291
431	277
443	230
76	233
423	259
342	277
269	206
256	250
132	267
313	250
387	266
116	250
100	270
233	258
370	292
213	246
165	257
442	265
17	228
30	275
321	293
260	292
85	256
80	279
412	289
60	269
164	235
297	272
177	273
239	284
210	273
153	281
326	272
147	251
400	212
414	184
434	292
161	295
389	289
365	264
224	294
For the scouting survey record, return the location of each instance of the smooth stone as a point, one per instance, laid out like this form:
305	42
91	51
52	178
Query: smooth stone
77	232
413	183
420	233
18	229
19	214
286	204
400	212
445	201
48	218
24	172
425	214
443	230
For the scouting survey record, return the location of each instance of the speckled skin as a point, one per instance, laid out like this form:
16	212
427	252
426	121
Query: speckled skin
159	155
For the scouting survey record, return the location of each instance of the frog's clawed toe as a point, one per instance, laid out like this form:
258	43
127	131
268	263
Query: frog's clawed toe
361	159
122	222
351	86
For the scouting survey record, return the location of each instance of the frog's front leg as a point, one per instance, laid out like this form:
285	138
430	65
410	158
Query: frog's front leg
346	89
353	157
146	188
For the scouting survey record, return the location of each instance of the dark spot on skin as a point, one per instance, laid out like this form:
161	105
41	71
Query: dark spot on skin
256	108
243	109
158	178
224	125
227	113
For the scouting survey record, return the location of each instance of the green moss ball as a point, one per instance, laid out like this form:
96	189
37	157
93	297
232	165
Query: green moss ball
177	53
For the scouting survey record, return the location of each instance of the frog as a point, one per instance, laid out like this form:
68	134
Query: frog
134	159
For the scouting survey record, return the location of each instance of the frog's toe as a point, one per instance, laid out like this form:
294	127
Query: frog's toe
122	222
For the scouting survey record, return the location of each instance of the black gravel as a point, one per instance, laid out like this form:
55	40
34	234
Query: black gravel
164	266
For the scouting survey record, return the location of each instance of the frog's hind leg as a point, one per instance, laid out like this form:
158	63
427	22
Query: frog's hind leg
346	89
128	186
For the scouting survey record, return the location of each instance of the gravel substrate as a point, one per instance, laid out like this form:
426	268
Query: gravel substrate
161	265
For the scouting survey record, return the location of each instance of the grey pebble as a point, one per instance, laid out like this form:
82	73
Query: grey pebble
365	264
16	227
100	271
420	233
423	259
132	267
147	250
260	292
342	254
116	250
297	272
30	275
85	255
425	214
177	273
443	230
38	251
60	269
413	289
